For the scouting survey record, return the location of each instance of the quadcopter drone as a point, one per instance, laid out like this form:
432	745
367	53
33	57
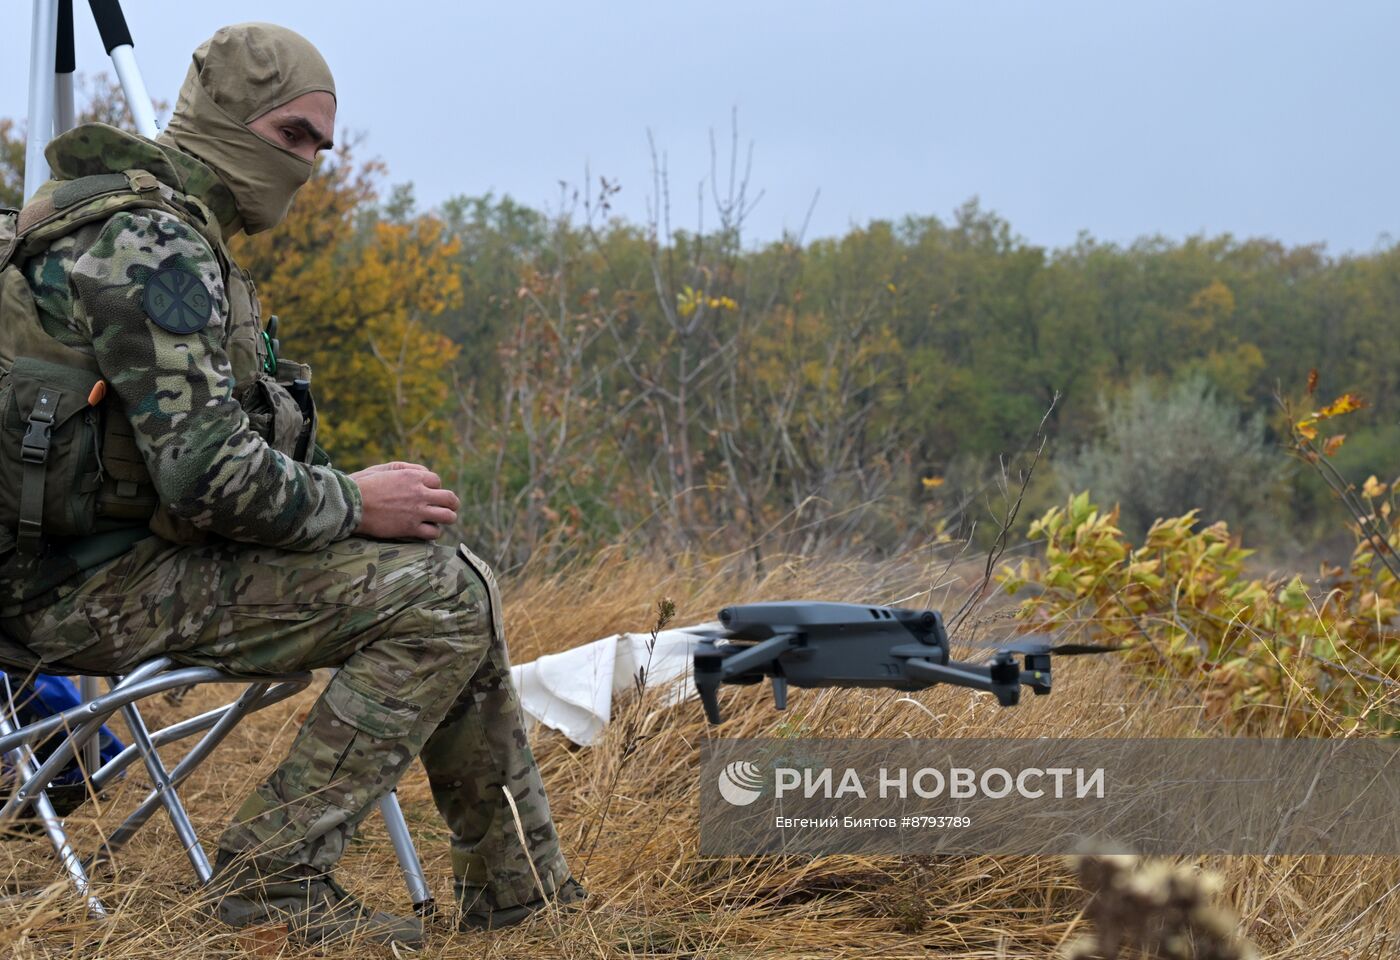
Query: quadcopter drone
819	644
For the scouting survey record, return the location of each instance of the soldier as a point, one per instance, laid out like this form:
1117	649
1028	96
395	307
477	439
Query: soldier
167	498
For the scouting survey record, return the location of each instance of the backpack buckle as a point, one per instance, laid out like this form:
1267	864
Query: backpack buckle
142	181
34	448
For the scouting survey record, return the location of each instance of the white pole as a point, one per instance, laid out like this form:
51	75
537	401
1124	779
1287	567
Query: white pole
124	59
43	41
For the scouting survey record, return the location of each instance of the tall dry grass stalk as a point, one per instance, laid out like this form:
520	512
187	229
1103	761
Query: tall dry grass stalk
652	895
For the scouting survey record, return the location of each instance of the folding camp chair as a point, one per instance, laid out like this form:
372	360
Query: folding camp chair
79	725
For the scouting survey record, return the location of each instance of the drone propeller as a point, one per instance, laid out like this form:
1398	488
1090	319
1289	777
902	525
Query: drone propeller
1033	647
708	632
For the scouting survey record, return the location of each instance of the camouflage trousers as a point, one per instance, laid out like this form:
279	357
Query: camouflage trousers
422	671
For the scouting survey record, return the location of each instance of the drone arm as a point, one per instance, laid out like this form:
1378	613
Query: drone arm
759	654
993	678
713	669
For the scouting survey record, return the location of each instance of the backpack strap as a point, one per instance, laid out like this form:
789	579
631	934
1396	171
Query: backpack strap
60	196
34	453
9	219
61	206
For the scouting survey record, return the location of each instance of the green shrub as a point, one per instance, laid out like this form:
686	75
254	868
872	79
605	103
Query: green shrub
1266	655
1167	450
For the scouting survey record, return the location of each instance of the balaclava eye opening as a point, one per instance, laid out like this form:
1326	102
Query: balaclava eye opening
237	76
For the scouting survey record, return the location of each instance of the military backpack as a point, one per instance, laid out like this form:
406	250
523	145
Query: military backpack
69	463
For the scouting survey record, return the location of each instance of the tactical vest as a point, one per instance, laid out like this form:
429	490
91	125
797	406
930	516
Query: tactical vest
69	464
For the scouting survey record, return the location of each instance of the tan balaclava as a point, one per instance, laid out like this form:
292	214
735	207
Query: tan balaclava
237	76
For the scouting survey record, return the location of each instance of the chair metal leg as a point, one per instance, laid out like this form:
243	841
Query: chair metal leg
92	750
165	790
32	786
229	717
404	849
188	728
27	770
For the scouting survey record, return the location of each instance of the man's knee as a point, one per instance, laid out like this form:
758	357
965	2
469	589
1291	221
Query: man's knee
440	614
454	591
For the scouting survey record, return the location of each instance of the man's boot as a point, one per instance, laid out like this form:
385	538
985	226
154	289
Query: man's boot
314	908
479	910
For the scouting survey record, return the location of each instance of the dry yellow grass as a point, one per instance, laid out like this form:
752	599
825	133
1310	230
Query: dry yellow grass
652	895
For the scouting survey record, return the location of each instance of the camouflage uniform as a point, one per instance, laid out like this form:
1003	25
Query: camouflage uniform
277	583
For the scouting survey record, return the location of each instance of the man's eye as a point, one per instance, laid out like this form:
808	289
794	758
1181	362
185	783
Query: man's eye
290	134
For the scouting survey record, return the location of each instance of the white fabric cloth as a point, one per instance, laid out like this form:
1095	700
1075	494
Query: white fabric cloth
572	691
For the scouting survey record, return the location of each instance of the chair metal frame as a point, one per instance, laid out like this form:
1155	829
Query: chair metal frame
81	725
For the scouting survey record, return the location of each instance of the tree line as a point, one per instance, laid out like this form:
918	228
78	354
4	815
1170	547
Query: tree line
583	380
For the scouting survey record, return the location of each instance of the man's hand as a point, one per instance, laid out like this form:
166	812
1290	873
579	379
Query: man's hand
403	501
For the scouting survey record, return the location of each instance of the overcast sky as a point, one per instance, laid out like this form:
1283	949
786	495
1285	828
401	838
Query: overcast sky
1120	118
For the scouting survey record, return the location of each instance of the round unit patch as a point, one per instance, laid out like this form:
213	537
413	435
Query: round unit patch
177	300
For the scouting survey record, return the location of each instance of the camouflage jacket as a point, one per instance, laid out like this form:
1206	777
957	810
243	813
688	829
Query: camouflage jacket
214	472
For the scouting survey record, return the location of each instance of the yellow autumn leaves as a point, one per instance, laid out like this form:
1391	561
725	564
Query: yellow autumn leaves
356	301
689	300
1307	427
1264	655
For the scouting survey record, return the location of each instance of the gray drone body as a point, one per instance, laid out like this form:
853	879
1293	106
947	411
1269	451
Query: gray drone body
821	644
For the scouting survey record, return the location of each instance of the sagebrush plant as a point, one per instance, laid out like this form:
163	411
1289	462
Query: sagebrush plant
1169	448
1267	654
